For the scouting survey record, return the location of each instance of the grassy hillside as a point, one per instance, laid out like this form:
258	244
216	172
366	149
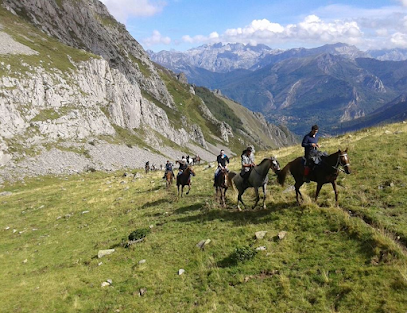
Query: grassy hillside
346	259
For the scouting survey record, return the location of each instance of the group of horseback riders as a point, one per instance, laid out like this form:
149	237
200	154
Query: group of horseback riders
183	165
311	158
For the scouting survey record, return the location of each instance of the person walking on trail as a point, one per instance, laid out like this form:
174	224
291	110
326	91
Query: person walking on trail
247	164
310	144
223	161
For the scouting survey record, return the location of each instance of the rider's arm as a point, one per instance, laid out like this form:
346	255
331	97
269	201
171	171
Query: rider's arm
305	142
246	162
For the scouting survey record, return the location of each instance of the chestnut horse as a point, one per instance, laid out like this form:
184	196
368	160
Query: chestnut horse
222	184
327	171
196	160
168	178
184	179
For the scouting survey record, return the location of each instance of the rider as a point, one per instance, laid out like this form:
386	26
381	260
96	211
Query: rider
247	164
168	168
182	166
222	161
310	143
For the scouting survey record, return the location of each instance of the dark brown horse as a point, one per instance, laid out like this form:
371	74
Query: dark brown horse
147	167
184	179
222	184
327	171
168	178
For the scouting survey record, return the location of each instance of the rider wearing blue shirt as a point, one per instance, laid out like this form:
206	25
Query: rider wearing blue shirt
310	142
168	168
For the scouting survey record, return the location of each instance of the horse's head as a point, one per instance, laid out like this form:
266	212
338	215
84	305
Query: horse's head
343	160
190	170
222	178
275	166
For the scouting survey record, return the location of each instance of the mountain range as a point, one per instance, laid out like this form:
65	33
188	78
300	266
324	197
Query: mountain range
328	85
78	92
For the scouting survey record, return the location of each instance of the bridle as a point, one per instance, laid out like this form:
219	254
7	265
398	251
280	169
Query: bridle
273	166
339	162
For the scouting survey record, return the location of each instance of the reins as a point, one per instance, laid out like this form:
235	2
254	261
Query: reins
338	163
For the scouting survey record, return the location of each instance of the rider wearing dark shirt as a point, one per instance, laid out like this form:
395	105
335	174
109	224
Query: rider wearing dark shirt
309	142
222	160
182	166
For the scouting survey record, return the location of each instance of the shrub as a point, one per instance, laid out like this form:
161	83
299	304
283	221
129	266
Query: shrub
243	254
139	233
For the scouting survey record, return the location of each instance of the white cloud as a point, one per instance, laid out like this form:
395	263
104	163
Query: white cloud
312	30
399	40
156	39
377	28
123	9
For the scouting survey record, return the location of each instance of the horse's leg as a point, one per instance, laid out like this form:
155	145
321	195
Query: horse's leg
319	186
239	199
223	197
264	195
336	192
189	188
297	186
219	194
178	190
256	191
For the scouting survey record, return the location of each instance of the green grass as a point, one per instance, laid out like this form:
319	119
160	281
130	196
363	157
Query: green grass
187	106
329	261
219	108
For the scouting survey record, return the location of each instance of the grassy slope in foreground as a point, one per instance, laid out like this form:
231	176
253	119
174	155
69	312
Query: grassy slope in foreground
328	261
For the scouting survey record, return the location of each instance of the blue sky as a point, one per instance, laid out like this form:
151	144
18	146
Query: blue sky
184	24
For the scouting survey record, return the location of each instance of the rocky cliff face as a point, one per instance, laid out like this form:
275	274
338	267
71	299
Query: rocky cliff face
88	25
77	92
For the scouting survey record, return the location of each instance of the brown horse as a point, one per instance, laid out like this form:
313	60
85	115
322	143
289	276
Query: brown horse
168	178
327	171
147	167
196	160
222	184
184	179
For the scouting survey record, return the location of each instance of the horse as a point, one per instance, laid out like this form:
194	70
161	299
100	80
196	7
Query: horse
257	178
196	160
327	171
147	167
222	184
169	175
184	179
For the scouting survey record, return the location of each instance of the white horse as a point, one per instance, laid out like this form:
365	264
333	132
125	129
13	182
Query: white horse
258	178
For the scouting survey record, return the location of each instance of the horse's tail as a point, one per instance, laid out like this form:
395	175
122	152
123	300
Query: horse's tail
230	178
281	175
